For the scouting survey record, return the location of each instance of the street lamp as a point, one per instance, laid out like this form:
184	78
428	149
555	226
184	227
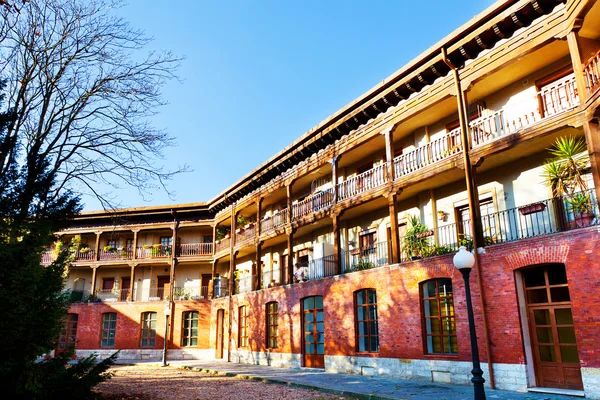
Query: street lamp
164	356
464	261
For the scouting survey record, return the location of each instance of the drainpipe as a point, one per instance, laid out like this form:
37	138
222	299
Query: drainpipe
476	231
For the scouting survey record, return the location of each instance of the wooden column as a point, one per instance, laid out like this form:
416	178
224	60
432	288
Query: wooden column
592	139
211	291
97	255
389	151
231	253
575	51
258	217
135	243
214	239
289	274
337	245
258	265
93	289
288	190
174	260
473	197
395	235
334	175
130	296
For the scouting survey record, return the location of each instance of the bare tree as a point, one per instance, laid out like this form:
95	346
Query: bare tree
82	95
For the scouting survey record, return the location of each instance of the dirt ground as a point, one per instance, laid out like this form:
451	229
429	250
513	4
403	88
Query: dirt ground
151	382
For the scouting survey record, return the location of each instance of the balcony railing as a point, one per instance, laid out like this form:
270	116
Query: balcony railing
245	284
245	235
124	254
190	293
154	251
427	154
312	204
277	220
271	278
222	244
194	249
315	269
560	96
591	73
111	295
220	287
362	183
365	257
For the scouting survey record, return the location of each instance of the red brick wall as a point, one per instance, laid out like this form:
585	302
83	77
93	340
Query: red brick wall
127	335
399	306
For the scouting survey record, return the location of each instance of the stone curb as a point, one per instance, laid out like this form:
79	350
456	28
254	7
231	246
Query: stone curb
359	396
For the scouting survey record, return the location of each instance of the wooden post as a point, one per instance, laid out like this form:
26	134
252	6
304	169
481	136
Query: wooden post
337	249
334	173
211	291
174	260
592	139
97	255
258	217
389	151
130	296
288	190
258	264
575	51
93	289
395	235
473	197
214	239
135	243
289	276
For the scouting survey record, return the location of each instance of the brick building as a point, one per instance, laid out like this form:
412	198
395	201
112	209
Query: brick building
337	252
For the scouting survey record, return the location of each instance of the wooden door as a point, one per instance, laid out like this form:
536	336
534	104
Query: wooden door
551	327
313	326
125	288
219	338
204	285
161	282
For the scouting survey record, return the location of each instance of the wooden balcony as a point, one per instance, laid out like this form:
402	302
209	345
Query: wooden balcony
153	251
195	249
368	180
245	235
275	221
116	255
223	244
591	73
312	204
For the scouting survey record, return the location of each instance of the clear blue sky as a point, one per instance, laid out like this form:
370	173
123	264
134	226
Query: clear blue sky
258	74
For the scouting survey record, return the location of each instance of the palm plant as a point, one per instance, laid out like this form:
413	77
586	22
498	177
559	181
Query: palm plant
565	172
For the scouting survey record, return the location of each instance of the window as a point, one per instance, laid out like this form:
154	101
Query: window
190	328
488	218
109	329
69	336
367	332
148	336
166	240
243	326
129	244
113	243
367	242
207	238
438	317
272	324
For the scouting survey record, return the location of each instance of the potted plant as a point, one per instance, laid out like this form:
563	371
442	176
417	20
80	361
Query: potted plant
415	241
109	249
564	174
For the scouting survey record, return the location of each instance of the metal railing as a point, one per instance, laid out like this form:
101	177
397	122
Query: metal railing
190	293
154	251
222	244
428	154
271	278
244	284
362	183
365	257
315	269
111	295
194	249
220	287
591	73
275	221
315	203
116	254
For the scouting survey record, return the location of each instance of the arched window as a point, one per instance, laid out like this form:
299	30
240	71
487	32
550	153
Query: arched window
438	316
148	329
190	329
109	329
367	329
69	336
272	324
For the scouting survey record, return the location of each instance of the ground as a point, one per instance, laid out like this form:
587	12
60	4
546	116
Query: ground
151	382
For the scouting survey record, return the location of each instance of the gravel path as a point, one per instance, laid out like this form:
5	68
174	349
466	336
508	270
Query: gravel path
151	382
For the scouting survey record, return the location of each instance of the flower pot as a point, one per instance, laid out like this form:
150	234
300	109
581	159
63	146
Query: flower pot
532	208
581	220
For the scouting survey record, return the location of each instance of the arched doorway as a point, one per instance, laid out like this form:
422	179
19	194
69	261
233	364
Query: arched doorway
552	333
313	327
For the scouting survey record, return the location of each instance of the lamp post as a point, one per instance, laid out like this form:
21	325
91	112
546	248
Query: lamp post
164	355
464	261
